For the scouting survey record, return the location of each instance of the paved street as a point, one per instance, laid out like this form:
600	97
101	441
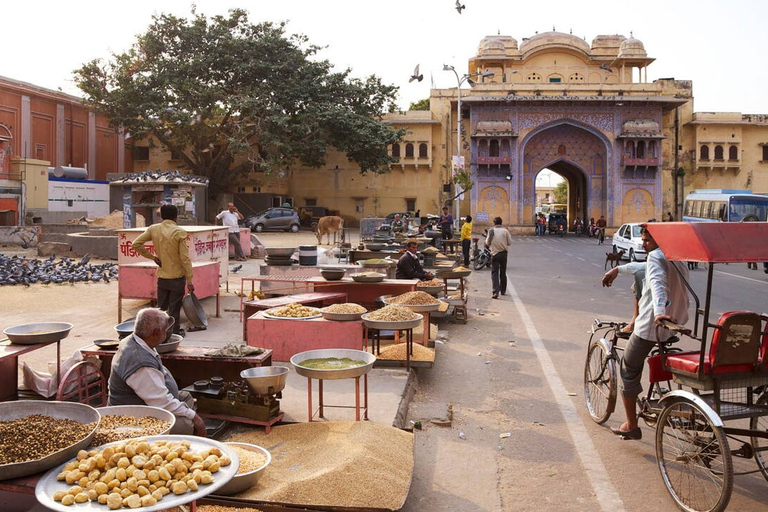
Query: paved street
517	367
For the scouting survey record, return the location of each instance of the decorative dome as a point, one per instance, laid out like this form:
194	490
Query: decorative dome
496	45
632	48
554	40
608	41
640	128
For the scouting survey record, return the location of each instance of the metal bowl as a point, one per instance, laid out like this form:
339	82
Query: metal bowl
40	332
194	310
373	246
284	252
341	317
48	485
68	410
432	290
452	274
170	345
126	328
139	411
345	373
243	481
332	274
269	314
416	308
266	380
361	278
392	326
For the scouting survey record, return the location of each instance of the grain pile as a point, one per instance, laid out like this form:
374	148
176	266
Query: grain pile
430	250
222	508
417	298
431	282
392	313
334	464
345	308
459	269
250	460
119	427
396	352
37	436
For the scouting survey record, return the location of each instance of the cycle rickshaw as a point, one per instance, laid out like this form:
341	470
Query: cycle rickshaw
700	402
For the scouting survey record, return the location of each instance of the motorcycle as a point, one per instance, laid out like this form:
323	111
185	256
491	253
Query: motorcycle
481	259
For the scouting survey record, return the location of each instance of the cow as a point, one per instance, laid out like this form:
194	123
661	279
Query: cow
328	225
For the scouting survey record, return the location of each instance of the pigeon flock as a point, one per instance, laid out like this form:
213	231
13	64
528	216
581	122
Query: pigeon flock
18	270
158	175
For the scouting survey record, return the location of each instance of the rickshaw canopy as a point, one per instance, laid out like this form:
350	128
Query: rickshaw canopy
712	242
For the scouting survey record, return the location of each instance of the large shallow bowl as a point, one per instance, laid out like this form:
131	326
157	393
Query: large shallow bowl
194	310
432	290
375	246
268	314
266	379
170	345
244	481
48	485
341	317
40	332
392	326
139	411
126	328
65	410
332	274
416	308
340	353
280	252
360	278
452	274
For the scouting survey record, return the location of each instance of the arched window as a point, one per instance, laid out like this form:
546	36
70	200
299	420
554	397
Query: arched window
733	153
652	149
493	149
482	148
409	150
629	149
640	149
423	151
704	153
396	150
718	152
505	148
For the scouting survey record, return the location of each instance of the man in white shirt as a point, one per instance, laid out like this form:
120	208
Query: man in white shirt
498	241
138	376
664	297
230	218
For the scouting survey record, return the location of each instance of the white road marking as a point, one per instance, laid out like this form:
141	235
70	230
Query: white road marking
738	276
606	494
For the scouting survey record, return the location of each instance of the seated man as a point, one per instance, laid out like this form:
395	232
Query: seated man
409	267
138	376
397	225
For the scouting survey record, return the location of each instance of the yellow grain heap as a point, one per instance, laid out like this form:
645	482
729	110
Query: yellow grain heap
417	298
345	308
396	352
392	313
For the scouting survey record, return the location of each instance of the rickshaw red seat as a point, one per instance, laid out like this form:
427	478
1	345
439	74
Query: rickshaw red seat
738	346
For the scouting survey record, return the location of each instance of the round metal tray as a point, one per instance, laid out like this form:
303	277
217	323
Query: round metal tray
432	290
68	410
391	326
247	480
453	273
346	373
139	411
367	279
341	317
40	332
416	308
47	485
267	314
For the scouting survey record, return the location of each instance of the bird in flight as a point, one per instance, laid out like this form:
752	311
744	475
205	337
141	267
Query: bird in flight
606	67
459	7
416	75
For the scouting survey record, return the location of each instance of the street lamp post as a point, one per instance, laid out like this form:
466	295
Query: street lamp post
467	77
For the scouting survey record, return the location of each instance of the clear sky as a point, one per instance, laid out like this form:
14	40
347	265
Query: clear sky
720	45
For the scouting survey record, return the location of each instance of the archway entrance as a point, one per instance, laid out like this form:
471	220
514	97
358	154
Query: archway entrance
576	154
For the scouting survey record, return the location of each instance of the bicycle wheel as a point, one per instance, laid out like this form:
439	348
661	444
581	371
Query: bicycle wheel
599	382
694	458
759	444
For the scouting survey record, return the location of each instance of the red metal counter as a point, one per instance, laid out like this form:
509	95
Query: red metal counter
364	294
9	366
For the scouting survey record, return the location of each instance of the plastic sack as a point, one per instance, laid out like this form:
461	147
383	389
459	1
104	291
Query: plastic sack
46	383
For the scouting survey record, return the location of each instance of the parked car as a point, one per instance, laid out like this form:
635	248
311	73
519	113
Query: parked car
628	238
274	219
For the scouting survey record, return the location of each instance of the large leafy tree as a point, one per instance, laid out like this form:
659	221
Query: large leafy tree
232	97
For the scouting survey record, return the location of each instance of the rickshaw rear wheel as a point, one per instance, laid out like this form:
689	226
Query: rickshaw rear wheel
694	458
599	383
759	444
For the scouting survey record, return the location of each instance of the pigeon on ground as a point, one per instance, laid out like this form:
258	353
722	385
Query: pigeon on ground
236	269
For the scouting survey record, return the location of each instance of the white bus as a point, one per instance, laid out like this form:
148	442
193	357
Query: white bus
722	205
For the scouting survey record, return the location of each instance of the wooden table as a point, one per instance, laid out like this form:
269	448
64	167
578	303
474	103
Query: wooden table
188	364
9	366
251	307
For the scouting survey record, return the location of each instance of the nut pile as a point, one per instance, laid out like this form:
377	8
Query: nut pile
431	282
37	436
416	298
250	460
396	352
119	427
392	313
293	310
137	474
346	307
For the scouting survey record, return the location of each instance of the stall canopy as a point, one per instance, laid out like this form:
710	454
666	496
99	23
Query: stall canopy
712	242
